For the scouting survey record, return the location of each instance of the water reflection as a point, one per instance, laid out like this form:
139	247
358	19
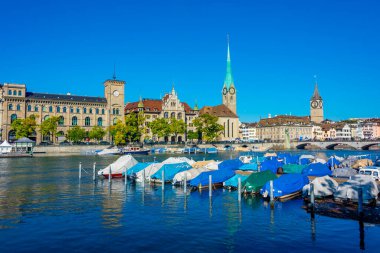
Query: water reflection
112	204
361	232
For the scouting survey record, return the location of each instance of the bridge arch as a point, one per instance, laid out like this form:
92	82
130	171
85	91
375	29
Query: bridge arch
367	146
333	145
302	145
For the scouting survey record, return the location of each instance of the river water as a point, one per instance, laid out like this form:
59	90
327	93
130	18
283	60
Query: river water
45	208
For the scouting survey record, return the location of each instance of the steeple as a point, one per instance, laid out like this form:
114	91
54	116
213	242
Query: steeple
228	81
140	104
196	106
316	95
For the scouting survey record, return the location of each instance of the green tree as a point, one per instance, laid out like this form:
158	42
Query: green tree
118	132
191	135
177	127
135	126
49	126
97	133
76	134
24	127
160	127
208	126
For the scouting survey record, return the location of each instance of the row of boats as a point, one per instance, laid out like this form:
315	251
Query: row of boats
290	175
144	151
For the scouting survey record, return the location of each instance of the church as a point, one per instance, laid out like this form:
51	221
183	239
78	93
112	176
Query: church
226	112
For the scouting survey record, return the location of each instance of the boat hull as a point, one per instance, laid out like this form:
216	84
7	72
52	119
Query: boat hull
141	152
116	175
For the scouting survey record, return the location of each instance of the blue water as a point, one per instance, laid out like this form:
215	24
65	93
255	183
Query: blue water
44	208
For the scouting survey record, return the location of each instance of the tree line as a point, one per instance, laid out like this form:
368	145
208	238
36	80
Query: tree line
132	129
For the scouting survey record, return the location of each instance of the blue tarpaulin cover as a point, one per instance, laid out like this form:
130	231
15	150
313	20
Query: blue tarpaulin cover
136	168
218	176
286	184
233	164
332	162
171	170
289	159
233	181
316	169
271	165
304	161
249	166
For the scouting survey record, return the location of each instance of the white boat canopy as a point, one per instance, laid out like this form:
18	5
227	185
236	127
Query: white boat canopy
119	166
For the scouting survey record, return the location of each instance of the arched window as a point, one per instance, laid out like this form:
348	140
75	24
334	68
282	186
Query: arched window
78	110
172	115
179	115
9	92
18	107
44	108
102	111
117	111
71	110
13	118
19	93
29	108
97	111
50	108
113	111
84	110
61	121
74	121
64	109
87	121
36	108
58	109
114	121
91	110
10	107
14	93
100	121
166	115
46	117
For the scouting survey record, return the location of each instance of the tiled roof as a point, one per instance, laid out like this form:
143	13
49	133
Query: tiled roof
152	105
284	120
219	111
60	97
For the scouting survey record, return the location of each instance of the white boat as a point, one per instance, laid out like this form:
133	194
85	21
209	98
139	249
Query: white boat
109	151
118	167
245	159
349	190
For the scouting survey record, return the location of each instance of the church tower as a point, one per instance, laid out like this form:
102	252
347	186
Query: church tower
114	93
316	106
228	91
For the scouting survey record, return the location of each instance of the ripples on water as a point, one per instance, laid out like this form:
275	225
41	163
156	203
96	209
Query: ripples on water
43	207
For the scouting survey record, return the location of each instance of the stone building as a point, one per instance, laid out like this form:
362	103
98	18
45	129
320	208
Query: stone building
16	102
168	107
277	128
248	132
227	111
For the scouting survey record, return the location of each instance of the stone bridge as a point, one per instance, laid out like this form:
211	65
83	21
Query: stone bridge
358	145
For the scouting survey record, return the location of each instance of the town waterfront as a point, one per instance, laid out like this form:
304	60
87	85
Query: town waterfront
44	207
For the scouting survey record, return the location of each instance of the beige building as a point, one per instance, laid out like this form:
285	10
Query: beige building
168	107
277	128
16	102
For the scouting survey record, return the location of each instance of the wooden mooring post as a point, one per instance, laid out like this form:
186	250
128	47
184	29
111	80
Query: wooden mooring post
312	200
110	174
80	170
163	180
143	178
210	185
360	202
94	172
239	189
185	184
271	194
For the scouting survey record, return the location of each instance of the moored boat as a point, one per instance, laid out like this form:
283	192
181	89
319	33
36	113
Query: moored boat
135	151
256	181
286	186
109	151
117	168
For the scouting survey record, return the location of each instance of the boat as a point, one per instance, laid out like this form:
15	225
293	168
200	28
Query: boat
170	170
117	168
246	159
210	150
131	172
189	174
323	187
286	187
217	178
256	181
135	151
233	182
109	151
317	170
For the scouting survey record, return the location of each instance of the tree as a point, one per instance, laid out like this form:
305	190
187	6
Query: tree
208	126
76	134
177	127
119	132
49	126
160	127
135	126
96	133
191	135
24	127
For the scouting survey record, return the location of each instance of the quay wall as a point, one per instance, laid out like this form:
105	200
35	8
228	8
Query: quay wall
67	149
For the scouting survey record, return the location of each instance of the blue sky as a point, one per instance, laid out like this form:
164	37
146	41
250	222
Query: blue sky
277	46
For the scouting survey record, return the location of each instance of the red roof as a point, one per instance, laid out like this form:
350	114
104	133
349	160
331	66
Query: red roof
152	105
219	111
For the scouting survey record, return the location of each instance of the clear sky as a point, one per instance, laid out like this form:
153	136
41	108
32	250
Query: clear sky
277	46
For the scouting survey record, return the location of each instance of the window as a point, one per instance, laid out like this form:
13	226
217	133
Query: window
29	108
71	110
84	110
113	111
64	109
102	111
172	115
14	93
36	108
44	108
97	110
46	117
50	108
117	111
179	116
78	110
19	93
100	121
61	121
87	121
166	115
9	92
13	118
74	121
58	109
91	110
10	107
114	121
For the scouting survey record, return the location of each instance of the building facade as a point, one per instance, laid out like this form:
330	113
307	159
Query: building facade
168	107
248	132
84	111
316	106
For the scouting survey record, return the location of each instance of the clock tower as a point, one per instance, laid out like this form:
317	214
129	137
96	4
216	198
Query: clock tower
316	106
229	91
114	93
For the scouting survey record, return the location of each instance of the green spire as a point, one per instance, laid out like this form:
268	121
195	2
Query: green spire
228	81
196	106
140	104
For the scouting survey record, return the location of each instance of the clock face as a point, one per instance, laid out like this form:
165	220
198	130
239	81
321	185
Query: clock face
320	104
116	93
232	90
224	91
314	104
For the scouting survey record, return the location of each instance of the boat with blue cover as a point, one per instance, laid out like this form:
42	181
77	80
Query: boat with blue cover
217	178
286	186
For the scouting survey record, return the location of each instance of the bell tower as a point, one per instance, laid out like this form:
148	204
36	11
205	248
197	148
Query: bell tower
114	93
316	106
229	91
